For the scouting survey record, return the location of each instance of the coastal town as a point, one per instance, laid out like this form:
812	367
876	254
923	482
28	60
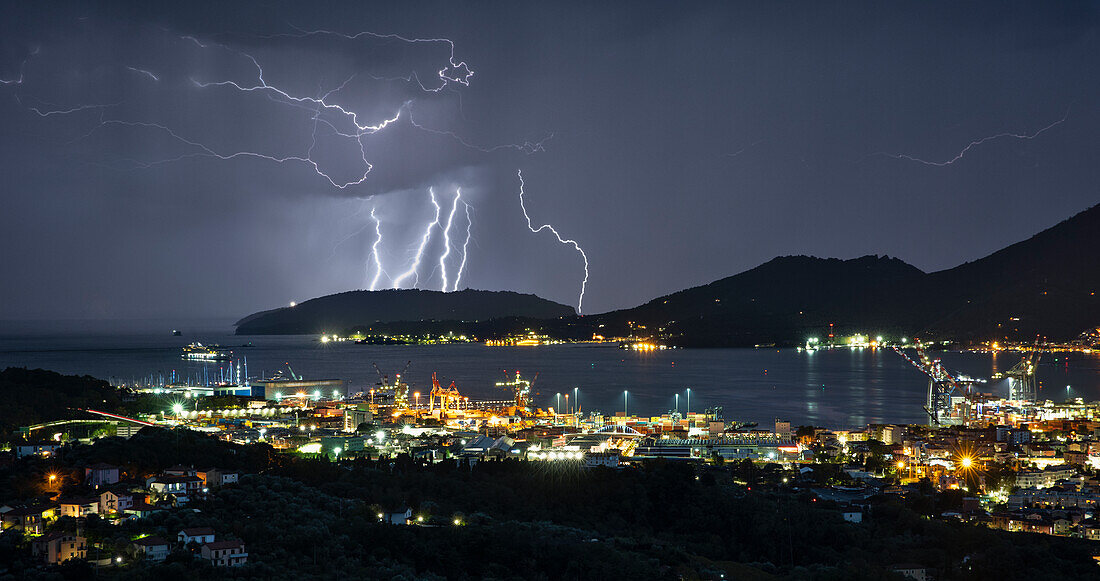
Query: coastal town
1018	465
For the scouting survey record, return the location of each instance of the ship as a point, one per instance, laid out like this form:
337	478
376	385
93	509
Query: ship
199	352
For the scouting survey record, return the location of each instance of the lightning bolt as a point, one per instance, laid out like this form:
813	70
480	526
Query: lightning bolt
447	238
584	283
423	244
343	121
48	112
204	151
460	74
528	147
465	246
22	68
144	72
976	143
374	250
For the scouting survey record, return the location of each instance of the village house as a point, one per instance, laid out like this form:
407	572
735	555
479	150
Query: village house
115	499
78	507
152	548
225	553
100	474
199	536
57	548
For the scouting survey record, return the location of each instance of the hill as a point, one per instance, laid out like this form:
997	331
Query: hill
1045	285
346	310
35	395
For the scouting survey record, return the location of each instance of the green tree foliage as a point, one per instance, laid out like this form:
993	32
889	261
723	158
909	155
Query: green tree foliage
33	396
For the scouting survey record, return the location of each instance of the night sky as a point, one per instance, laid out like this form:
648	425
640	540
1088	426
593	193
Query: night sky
677	143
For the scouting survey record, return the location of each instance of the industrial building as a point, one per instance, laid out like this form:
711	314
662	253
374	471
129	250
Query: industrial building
279	389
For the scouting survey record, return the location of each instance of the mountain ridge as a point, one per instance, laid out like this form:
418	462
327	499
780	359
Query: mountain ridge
1043	285
361	308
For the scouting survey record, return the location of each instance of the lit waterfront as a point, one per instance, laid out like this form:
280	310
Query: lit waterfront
837	388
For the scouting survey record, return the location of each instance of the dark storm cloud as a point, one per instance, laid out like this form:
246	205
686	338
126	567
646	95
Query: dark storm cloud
689	143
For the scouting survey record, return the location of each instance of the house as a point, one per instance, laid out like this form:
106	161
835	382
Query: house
216	478
178	489
40	449
152	548
57	548
78	507
400	516
165	485
180	470
853	516
914	572
193	484
100	474
141	509
200	536
225	553
31	520
115	499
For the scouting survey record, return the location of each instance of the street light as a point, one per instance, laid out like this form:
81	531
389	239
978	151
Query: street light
416	394
625	414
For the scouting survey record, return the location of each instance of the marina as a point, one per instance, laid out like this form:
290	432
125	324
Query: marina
844	386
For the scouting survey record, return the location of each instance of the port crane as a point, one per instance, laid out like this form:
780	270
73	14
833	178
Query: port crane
448	397
521	388
292	376
399	388
1021	377
943	387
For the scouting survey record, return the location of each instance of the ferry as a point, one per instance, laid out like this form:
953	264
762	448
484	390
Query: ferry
199	352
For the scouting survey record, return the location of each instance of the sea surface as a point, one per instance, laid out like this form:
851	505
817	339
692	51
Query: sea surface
838	388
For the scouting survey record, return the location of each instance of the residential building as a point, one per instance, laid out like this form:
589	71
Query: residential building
199	536
400	516
57	548
216	478
225	553
357	415
78	507
179	470
1044	478
115	499
30	520
38	449
100	474
914	572
152	548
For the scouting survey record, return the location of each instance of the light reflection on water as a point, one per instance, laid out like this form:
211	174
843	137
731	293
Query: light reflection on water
841	388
